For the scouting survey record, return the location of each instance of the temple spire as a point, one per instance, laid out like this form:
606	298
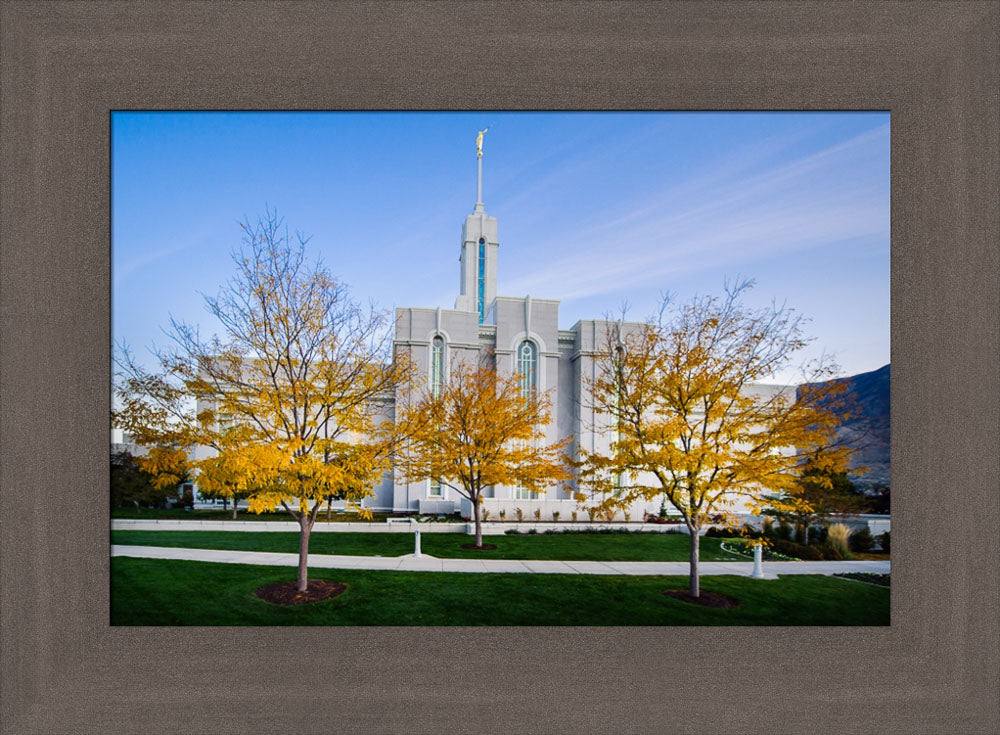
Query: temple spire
478	260
479	161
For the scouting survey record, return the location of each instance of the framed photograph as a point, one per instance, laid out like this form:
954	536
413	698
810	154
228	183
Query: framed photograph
416	441
925	73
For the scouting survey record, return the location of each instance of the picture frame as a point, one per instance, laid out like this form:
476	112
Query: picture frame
65	66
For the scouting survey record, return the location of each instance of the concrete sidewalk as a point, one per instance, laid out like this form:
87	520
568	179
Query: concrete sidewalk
425	563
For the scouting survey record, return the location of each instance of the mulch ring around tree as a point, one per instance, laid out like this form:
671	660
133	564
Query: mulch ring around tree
286	593
706	599
484	547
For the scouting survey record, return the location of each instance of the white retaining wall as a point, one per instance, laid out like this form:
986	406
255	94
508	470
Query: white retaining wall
489	528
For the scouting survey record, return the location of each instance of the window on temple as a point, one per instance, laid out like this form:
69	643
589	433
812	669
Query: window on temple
435	489
525	494
437	365
527	366
482	278
619	356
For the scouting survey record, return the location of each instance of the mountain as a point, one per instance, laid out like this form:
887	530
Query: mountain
868	432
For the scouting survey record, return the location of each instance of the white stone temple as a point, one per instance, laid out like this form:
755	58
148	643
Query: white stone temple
523	332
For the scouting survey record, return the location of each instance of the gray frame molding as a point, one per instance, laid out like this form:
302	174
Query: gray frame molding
64	65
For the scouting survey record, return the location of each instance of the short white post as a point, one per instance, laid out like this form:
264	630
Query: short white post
758	567
416	539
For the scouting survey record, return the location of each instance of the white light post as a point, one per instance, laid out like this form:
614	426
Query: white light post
758	555
416	538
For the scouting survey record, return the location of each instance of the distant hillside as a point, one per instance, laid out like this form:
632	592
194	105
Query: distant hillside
869	432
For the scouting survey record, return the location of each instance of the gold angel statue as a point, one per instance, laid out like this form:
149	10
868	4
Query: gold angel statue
479	143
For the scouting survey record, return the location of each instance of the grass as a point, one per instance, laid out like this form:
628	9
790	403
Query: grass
869	556
570	546
167	592
880	579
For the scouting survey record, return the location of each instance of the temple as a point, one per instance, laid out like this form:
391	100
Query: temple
522	334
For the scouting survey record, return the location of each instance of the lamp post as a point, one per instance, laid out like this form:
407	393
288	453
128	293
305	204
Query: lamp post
758	555
416	538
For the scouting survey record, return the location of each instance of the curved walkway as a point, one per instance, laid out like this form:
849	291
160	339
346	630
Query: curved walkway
424	563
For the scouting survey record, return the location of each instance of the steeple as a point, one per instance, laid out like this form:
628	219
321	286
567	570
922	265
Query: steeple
479	178
478	270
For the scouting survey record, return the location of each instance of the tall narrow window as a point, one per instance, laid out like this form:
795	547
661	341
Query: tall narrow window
482	277
437	380
437	365
527	365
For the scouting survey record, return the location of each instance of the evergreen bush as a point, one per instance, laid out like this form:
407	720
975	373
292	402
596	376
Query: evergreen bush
862	540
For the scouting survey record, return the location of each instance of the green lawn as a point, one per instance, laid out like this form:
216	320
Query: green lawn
166	592
569	546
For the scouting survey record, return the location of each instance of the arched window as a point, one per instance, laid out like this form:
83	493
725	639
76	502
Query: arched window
437	364
527	365
482	278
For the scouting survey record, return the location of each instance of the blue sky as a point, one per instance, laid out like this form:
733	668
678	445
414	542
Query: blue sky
594	209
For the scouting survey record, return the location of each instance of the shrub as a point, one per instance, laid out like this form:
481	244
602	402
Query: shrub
799	551
538	514
800	533
532	531
663	507
862	540
512	532
574	515
783	531
591	512
836	541
485	515
832	551
884	540
555	516
519	513
716	532
503	514
768	527
818	534
809	553
627	515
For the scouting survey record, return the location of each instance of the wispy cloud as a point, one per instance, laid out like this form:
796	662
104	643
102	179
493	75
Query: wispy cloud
123	270
717	221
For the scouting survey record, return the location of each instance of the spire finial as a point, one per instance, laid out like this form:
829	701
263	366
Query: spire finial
479	160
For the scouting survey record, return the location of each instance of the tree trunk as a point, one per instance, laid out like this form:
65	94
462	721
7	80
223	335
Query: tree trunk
694	587
305	524
805	534
479	525
235	506
329	502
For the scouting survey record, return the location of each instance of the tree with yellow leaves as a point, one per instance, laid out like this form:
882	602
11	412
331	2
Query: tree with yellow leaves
288	400
678	399
478	430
